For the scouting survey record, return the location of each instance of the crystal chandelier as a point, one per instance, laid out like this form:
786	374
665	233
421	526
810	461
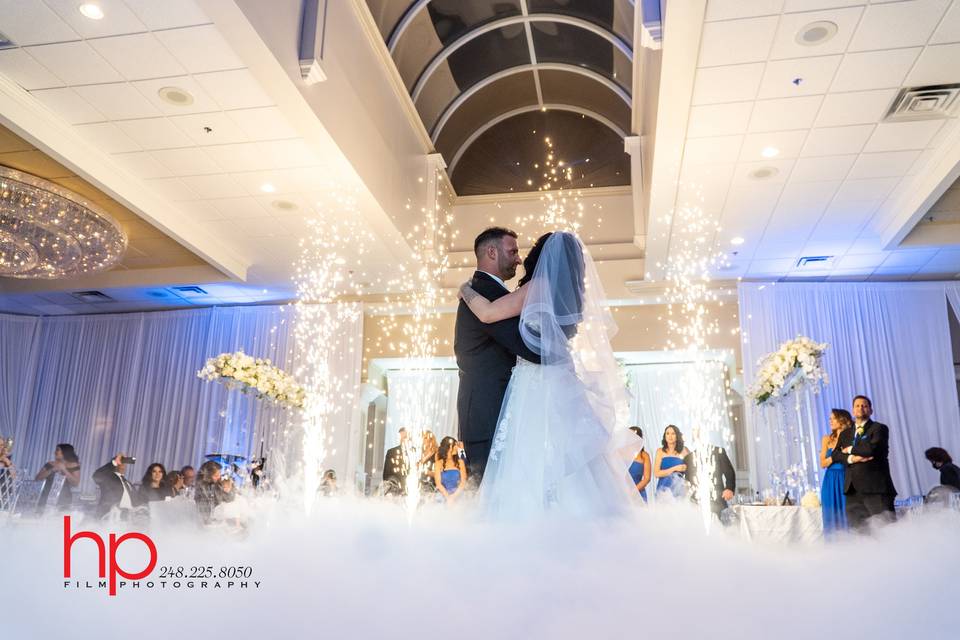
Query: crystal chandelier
49	232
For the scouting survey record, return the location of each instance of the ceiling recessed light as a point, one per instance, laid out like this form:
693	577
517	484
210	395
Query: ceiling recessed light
814	33
91	10
176	96
284	205
736	240
266	187
764	172
770	152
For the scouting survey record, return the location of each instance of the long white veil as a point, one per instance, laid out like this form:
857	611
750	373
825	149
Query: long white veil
564	320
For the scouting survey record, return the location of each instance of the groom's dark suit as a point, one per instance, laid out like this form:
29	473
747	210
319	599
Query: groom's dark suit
868	486
486	354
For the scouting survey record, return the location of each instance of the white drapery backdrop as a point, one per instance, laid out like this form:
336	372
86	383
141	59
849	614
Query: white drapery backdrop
659	397
127	383
422	399
888	341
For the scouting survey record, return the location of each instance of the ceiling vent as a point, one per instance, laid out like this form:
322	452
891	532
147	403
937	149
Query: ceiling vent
189	291
91	296
924	103
815	262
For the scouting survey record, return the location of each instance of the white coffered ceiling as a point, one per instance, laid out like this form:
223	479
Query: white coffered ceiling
232	173
841	180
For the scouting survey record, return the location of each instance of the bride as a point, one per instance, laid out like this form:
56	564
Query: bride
554	444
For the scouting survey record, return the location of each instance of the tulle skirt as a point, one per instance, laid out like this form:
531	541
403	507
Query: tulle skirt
551	452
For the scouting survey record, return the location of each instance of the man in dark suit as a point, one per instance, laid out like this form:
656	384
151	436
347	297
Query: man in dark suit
396	466
487	353
864	450
724	478
115	489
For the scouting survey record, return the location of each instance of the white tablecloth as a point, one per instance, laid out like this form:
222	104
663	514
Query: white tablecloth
780	524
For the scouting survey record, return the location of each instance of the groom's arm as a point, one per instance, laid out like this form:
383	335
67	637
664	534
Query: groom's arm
506	333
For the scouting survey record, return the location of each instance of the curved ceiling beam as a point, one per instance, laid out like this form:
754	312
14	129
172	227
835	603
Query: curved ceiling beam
543	66
445	53
404	22
515	112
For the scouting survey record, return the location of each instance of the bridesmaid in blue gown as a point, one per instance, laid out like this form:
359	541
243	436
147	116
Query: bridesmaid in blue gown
640	467
449	471
668	466
832	500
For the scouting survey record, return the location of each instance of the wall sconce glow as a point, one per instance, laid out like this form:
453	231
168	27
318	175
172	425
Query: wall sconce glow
736	240
770	152
91	10
266	187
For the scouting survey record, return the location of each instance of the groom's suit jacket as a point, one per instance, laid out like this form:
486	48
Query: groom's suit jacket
866	477
486	354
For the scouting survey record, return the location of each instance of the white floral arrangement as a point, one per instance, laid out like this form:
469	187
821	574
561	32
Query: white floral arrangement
810	500
795	363
254	375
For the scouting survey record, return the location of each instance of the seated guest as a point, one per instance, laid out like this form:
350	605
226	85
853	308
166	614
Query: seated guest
116	492
8	472
941	460
66	463
450	471
864	451
640	467
723	480
328	484
396	465
189	475
668	465
428	457
151	486
172	484
832	501
211	491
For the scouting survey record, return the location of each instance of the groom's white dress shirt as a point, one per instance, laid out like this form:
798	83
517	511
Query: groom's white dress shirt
499	281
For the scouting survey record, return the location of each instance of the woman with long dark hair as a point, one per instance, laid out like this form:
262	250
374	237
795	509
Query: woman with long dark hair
832	501
449	471
668	465
152	488
66	463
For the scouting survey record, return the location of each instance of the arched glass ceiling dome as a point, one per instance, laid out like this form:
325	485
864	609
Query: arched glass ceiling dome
481	71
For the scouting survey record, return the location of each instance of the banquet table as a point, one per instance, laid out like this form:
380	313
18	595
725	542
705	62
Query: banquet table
779	524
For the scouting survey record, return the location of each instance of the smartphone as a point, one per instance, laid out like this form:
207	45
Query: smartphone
128	460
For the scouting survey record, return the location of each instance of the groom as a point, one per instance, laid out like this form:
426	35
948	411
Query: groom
487	353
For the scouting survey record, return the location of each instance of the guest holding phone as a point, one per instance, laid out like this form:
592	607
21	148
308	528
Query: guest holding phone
116	492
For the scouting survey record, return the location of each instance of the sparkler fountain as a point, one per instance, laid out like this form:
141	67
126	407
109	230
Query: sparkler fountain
323	278
689	295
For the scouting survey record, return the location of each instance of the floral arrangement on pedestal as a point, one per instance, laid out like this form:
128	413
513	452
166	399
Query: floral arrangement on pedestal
254	375
797	362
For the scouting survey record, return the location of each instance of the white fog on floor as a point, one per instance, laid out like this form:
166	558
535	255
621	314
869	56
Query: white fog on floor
358	569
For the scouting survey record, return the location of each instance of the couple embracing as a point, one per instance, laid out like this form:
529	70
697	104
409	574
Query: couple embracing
540	392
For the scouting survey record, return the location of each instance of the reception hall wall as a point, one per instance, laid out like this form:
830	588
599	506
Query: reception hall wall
127	383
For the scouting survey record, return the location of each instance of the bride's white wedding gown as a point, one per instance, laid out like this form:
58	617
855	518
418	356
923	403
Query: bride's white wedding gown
554	451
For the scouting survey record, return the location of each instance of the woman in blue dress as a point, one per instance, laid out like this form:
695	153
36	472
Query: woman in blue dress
640	467
668	466
831	489
449	471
